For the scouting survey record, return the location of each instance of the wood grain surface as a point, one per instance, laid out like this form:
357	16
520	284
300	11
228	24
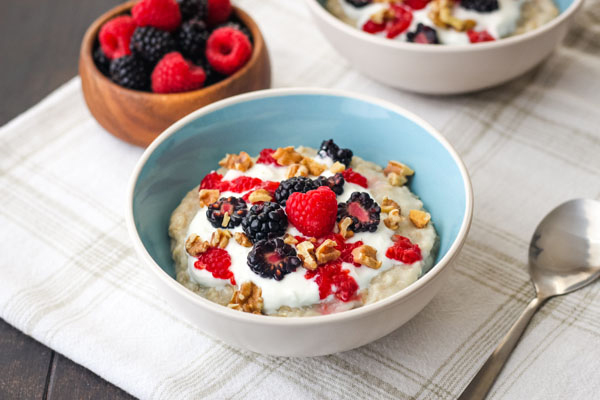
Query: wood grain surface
39	47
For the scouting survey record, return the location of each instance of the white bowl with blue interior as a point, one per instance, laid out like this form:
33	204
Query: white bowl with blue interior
376	130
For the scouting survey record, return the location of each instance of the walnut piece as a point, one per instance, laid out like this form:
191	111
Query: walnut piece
398	168
296	170
343	227
260	195
367	256
289	239
314	168
306	252
337	167
396	180
242	239
388	205
441	15
248	298
327	252
287	156
419	218
208	196
393	219
220	238
194	245
241	162
226	219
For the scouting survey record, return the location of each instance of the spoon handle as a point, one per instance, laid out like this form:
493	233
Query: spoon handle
483	381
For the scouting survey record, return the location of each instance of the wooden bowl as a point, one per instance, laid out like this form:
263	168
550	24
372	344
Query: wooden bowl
138	117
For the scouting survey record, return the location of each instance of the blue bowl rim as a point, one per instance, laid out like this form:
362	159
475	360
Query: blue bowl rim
226	312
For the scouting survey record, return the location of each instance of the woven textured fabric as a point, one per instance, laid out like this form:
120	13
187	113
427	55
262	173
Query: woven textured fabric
69	276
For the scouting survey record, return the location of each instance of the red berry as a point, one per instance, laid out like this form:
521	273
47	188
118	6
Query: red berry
218	11
115	35
211	181
266	157
354	177
417	4
174	74
402	19
228	50
216	261
332	279
404	250
313	213
478	37
373	27
161	14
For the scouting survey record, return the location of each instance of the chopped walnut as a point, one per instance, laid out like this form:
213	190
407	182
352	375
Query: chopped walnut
241	162
441	15
398	168
287	156
306	252
314	168
393	219
260	195
195	246
343	227
208	196
396	180
289	239
388	205
327	252
337	167
242	239
226	219
367	256
383	15
220	238
248	298
296	170
419	218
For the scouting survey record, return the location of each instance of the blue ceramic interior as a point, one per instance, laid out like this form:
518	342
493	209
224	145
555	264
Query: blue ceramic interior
371	131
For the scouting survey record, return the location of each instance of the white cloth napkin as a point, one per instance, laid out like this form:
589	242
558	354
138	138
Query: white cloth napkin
69	276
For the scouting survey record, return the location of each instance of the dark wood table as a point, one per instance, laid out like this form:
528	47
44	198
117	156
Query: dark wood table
39	46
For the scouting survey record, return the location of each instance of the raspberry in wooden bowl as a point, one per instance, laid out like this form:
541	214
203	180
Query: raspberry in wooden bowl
145	64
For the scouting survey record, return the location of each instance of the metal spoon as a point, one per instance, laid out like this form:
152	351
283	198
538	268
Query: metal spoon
564	255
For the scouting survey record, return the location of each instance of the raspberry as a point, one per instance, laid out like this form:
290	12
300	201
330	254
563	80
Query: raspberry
236	208
173	74
238	26
417	4
161	14
313	213
192	9
115	35
363	211
332	150
102	62
216	261
228	50
359	3
478	37
300	184
269	186
192	36
402	20
266	157
483	6
130	72
423	34
335	182
151	44
404	250
332	279
273	258
241	184
354	177
218	11
265	221
373	27
211	181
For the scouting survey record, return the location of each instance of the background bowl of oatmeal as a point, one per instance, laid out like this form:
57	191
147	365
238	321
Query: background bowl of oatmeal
443	69
377	131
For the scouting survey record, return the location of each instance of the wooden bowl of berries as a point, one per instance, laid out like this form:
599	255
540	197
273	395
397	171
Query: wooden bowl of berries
146	64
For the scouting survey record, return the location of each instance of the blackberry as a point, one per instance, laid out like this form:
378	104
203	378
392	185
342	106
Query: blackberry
212	76
330	149
102	62
130	72
192	37
363	210
151	44
265	221
235	206
335	183
423	34
193	9
359	3
483	6
300	184
273	258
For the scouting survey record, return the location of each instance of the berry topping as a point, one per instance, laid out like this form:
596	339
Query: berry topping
313	213
151	44
423	34
480	5
238	26
240	184
330	149
401	21
478	37
363	211
359	3
115	35
265	221
216	261
227	50
161	14
373	27
174	74
354	177
266	157
192	36
404	250
273	258
235	207
192	9
218	11
299	184
335	183
102	62
332	279
417	4
130	72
